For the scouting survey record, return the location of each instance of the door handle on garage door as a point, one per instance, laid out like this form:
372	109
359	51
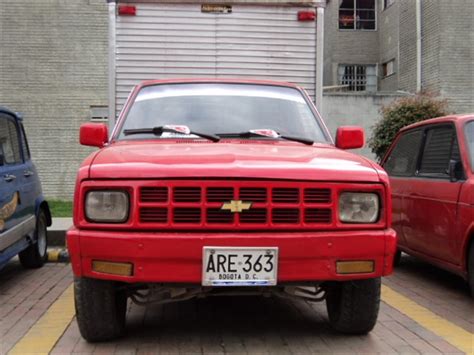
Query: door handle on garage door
27	173
9	178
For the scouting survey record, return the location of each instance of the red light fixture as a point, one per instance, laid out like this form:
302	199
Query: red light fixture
126	10
306	16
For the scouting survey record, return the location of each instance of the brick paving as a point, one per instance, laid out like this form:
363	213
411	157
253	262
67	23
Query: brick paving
438	290
240	325
25	295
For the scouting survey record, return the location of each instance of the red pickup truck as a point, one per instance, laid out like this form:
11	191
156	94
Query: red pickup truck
218	187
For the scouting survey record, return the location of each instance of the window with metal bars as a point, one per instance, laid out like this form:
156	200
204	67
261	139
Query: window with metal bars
358	77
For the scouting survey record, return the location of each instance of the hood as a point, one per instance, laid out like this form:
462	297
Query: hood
229	159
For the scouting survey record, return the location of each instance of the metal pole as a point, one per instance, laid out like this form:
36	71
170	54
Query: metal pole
418	46
319	58
112	109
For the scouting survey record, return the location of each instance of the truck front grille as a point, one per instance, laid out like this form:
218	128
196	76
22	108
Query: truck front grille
235	205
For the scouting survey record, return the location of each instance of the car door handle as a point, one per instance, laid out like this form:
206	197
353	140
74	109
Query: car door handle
9	178
27	173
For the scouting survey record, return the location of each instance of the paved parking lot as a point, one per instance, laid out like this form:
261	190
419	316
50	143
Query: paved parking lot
424	310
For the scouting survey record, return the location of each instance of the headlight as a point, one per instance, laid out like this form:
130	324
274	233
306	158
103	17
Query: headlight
107	206
359	207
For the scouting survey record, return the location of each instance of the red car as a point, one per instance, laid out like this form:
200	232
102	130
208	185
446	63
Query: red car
431	169
218	187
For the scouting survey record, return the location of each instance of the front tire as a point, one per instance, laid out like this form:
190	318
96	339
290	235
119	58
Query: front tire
100	309
36	254
353	306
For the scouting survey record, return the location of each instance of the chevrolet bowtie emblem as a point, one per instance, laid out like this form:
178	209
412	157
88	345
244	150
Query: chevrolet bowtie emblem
236	206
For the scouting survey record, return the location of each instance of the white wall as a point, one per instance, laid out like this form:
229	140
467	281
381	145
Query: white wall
355	109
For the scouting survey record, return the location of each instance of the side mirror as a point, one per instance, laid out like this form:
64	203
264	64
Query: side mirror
94	134
350	137
456	171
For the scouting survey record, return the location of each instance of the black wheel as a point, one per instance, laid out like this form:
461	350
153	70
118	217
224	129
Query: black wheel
397	258
353	306
36	254
100	309
470	269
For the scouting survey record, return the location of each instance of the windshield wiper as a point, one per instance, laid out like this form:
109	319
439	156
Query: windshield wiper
179	129
268	133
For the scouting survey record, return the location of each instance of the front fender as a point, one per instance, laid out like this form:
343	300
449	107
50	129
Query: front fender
41	203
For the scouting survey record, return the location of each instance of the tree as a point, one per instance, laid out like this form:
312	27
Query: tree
401	113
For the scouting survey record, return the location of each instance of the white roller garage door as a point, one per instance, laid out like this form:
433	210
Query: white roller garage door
165	41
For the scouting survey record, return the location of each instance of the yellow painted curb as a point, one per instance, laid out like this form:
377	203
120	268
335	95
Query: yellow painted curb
53	255
44	334
453	334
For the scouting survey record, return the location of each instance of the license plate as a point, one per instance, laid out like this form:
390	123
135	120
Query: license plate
223	266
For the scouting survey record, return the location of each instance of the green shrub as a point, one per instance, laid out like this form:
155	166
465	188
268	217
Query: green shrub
401	113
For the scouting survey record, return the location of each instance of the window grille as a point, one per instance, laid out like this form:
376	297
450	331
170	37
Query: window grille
358	77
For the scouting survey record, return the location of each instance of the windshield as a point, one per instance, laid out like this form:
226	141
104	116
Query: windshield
469	130
222	108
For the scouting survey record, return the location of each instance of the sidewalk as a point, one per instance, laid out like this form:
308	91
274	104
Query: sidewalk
57	232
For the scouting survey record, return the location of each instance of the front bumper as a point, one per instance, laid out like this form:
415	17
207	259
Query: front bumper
177	257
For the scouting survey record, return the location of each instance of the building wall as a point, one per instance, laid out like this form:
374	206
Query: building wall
355	109
388	20
430	48
407	46
53	66
345	46
456	54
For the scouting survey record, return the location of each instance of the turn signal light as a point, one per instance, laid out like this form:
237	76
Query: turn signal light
125	10
113	268
355	267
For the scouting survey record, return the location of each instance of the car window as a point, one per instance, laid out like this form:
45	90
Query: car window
223	108
9	144
469	131
24	144
404	156
438	151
